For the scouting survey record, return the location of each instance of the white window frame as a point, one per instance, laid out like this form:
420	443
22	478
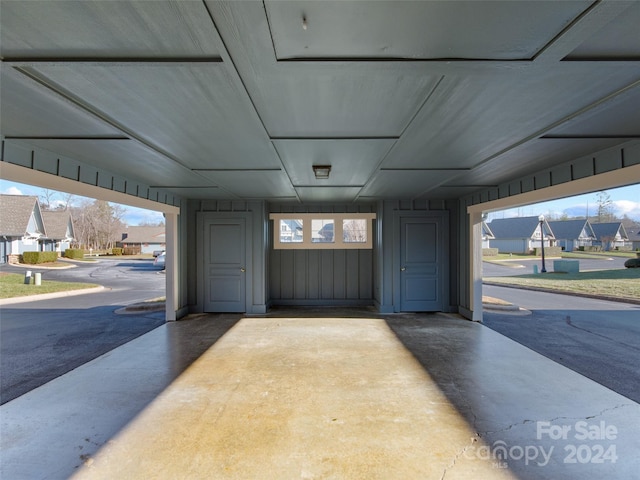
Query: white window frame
338	242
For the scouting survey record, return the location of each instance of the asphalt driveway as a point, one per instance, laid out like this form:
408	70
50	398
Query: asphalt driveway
41	340
597	338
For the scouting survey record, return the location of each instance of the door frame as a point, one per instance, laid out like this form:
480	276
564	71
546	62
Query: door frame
442	216
206	218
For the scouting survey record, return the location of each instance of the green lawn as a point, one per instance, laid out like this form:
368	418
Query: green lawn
623	284
598	254
12	285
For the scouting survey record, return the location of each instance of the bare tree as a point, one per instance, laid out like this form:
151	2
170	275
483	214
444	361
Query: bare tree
605	207
46	199
98	224
355	231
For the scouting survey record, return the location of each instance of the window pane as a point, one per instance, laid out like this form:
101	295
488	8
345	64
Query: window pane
354	231
291	231
322	231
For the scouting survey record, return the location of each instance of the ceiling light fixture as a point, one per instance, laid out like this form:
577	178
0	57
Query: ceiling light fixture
321	171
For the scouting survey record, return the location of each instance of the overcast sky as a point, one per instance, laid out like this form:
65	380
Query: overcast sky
626	200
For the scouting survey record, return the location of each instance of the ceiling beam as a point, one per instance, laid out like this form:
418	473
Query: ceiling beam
108	61
582	28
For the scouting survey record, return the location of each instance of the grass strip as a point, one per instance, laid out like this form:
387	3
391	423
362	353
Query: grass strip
12	285
622	284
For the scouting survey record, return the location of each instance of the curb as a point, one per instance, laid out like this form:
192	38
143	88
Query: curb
38	267
46	296
502	308
572	294
138	308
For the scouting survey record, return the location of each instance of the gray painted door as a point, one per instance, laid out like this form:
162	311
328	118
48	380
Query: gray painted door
224	265
420	265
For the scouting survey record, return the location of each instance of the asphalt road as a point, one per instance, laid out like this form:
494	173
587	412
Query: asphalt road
41	340
596	338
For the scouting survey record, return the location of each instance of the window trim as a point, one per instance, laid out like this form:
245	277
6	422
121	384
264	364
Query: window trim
307	244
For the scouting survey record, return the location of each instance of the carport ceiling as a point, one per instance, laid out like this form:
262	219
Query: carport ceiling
416	99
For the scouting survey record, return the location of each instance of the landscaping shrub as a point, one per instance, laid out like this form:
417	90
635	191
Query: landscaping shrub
131	251
632	263
74	253
34	258
116	251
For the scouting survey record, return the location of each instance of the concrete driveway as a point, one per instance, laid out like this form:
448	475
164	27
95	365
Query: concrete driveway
41	340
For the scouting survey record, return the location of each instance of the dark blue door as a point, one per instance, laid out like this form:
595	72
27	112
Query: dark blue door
224	265
421	260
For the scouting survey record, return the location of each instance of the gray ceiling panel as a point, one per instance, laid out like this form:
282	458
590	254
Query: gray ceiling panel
468	120
195	113
26	110
341	102
94	29
251	183
417	30
619	40
327	194
404	183
352	161
532	157
403	99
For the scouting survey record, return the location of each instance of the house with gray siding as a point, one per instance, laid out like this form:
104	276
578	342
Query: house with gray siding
519	234
144	239
634	238
22	227
571	234
610	235
59	231
487	235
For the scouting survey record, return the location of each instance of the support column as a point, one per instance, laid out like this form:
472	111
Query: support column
475	264
171	265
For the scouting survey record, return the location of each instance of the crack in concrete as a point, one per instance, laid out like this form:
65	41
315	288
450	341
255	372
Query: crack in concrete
571	324
474	440
480	435
555	419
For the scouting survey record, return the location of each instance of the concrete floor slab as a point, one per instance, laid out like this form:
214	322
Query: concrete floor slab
405	396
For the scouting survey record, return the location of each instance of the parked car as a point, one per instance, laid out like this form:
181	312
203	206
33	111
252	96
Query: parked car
157	252
160	260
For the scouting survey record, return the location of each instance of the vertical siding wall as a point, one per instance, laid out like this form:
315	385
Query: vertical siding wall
320	277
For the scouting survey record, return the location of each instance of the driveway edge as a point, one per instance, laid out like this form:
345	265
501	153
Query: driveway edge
560	292
46	296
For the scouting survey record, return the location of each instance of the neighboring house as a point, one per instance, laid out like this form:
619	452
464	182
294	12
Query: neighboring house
60	233
487	235
21	225
610	235
634	238
144	239
571	234
291	231
519	234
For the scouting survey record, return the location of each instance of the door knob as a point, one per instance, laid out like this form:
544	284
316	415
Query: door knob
242	269
403	269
